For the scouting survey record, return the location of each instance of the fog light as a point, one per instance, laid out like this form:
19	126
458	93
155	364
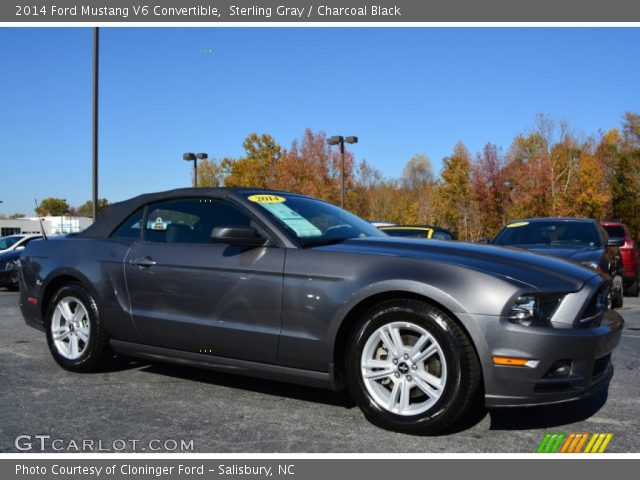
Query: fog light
560	369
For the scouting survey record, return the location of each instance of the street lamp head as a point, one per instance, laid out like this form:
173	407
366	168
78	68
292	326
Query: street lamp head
351	139
335	140
202	156
188	156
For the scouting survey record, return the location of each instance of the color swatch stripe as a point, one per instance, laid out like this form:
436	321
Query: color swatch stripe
573	443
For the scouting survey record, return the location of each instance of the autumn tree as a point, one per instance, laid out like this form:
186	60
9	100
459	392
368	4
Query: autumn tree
456	206
491	188
53	207
418	186
312	167
591	196
528	174
211	173
258	168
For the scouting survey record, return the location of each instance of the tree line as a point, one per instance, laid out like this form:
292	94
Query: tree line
547	171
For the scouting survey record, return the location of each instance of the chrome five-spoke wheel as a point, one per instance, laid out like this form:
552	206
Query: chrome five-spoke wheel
70	328
403	368
410	367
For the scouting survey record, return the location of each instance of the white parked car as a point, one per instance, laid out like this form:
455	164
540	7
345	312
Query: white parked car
15	242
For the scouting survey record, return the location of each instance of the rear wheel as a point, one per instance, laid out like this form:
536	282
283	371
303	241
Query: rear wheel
75	334
411	368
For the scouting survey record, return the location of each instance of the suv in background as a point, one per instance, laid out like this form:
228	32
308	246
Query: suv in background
630	256
580	240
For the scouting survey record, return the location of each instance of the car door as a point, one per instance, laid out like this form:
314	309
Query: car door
191	294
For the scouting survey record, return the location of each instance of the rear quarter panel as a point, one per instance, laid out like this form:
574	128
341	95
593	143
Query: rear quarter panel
97	264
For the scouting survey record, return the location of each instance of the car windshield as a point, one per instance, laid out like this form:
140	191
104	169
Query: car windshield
314	222
549	232
615	231
8	242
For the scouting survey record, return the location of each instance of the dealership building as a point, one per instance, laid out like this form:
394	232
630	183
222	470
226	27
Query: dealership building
60	225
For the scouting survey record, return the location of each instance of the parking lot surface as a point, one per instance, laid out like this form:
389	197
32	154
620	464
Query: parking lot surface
148	406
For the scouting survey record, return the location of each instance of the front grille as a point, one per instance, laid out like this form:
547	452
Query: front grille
592	313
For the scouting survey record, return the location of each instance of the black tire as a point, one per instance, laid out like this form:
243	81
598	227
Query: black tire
462	367
97	352
618	298
633	290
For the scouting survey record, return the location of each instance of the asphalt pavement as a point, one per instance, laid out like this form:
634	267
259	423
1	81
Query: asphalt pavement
143	406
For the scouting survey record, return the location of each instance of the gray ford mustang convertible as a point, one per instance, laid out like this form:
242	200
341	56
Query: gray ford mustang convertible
290	288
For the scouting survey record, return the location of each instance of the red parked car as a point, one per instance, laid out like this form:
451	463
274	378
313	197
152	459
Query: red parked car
630	256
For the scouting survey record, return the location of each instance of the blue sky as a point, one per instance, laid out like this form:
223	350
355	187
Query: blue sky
401	91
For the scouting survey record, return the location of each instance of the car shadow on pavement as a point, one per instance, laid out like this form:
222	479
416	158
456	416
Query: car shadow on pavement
240	382
547	416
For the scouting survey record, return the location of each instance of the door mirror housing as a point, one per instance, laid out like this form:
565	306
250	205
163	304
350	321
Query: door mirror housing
243	236
615	242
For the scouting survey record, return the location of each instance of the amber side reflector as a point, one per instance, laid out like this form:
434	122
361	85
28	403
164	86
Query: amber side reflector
510	361
32	300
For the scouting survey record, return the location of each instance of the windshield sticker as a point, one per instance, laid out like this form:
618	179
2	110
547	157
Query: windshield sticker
266	199
293	220
517	224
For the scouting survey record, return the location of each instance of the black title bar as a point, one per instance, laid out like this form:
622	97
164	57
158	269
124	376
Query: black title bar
232	11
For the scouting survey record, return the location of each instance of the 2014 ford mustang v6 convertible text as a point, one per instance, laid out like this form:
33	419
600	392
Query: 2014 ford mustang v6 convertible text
286	287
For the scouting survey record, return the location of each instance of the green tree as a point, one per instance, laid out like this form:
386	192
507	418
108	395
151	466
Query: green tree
86	209
52	206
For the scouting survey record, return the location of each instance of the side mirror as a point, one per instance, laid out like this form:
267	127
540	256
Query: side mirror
484	240
21	247
244	236
615	242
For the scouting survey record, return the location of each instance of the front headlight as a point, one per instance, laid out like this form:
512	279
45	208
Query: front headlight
11	265
592	266
534	309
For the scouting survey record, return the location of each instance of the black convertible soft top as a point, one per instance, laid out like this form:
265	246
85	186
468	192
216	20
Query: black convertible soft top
118	212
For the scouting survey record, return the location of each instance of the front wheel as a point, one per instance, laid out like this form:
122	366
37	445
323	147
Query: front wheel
411	368
75	334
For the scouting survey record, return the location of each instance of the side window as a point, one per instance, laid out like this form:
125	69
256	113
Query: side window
131	227
190	220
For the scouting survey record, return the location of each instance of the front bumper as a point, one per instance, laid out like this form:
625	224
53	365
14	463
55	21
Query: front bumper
587	349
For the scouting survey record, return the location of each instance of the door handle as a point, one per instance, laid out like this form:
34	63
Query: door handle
143	262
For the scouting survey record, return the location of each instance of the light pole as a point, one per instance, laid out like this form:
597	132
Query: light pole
188	157
96	63
340	140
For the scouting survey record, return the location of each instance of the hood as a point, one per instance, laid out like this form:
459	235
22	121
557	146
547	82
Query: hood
540	272
576	254
11	255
